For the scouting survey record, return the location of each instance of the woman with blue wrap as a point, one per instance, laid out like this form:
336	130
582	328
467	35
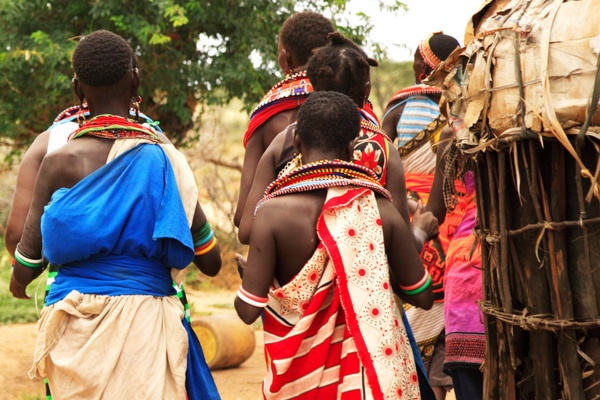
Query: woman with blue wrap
116	208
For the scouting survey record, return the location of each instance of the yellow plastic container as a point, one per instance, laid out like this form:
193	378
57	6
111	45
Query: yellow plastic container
227	342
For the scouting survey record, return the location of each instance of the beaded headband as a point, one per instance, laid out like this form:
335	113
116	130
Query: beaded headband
428	56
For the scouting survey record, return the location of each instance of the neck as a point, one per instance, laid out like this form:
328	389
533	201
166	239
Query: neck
313	156
108	107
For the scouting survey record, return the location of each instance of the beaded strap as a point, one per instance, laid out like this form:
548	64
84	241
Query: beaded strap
253	300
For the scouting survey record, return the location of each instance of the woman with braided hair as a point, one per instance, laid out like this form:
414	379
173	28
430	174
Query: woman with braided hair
342	66
116	209
413	119
300	34
332	327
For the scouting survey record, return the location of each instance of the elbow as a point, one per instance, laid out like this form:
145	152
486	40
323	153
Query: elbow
425	300
11	239
247	313
209	263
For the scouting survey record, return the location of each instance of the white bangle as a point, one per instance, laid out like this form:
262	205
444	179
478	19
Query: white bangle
420	236
248	300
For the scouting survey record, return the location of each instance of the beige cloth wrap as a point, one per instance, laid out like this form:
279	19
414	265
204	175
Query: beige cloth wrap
118	347
112	347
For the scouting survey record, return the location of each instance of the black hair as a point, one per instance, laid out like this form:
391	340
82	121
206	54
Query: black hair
303	32
102	58
328	120
442	45
340	66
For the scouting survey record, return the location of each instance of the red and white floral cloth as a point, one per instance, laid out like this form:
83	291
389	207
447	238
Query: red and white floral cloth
335	330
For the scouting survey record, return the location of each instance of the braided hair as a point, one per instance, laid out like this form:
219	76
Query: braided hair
340	66
303	32
102	58
328	120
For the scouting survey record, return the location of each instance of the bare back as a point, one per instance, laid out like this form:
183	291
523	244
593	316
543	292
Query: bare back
63	168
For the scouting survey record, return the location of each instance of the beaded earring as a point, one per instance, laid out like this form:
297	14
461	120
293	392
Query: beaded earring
135	104
422	76
80	113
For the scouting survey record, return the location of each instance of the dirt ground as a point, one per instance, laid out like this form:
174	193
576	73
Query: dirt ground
16	354
241	383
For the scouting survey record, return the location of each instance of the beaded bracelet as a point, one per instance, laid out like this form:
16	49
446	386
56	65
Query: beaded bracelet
28	262
204	240
253	300
201	250
418	287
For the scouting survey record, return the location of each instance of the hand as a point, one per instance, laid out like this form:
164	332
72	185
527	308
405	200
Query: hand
425	221
241	261
17	289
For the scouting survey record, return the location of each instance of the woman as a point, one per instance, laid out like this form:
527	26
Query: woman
413	118
300	34
343	67
116	210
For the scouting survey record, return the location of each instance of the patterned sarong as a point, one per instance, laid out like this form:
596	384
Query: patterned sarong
335	330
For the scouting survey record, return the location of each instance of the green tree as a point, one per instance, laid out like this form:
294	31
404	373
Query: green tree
190	53
387	79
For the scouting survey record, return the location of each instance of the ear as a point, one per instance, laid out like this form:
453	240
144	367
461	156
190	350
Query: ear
350	148
76	85
367	90
296	139
135	81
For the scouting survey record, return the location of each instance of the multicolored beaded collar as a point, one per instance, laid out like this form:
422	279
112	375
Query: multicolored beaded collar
293	85
114	127
322	175
371	127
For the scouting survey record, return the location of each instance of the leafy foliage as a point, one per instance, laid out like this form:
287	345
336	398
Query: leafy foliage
189	52
387	79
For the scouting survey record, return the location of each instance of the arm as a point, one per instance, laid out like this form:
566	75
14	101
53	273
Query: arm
30	244
405	262
396	185
261	139
265	174
390	120
210	262
26	176
436	196
260	268
254	151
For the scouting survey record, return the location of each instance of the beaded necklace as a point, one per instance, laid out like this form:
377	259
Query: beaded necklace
114	127
322	175
296	84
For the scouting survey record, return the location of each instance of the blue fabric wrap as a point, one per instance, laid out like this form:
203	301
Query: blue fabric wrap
199	382
119	230
424	385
